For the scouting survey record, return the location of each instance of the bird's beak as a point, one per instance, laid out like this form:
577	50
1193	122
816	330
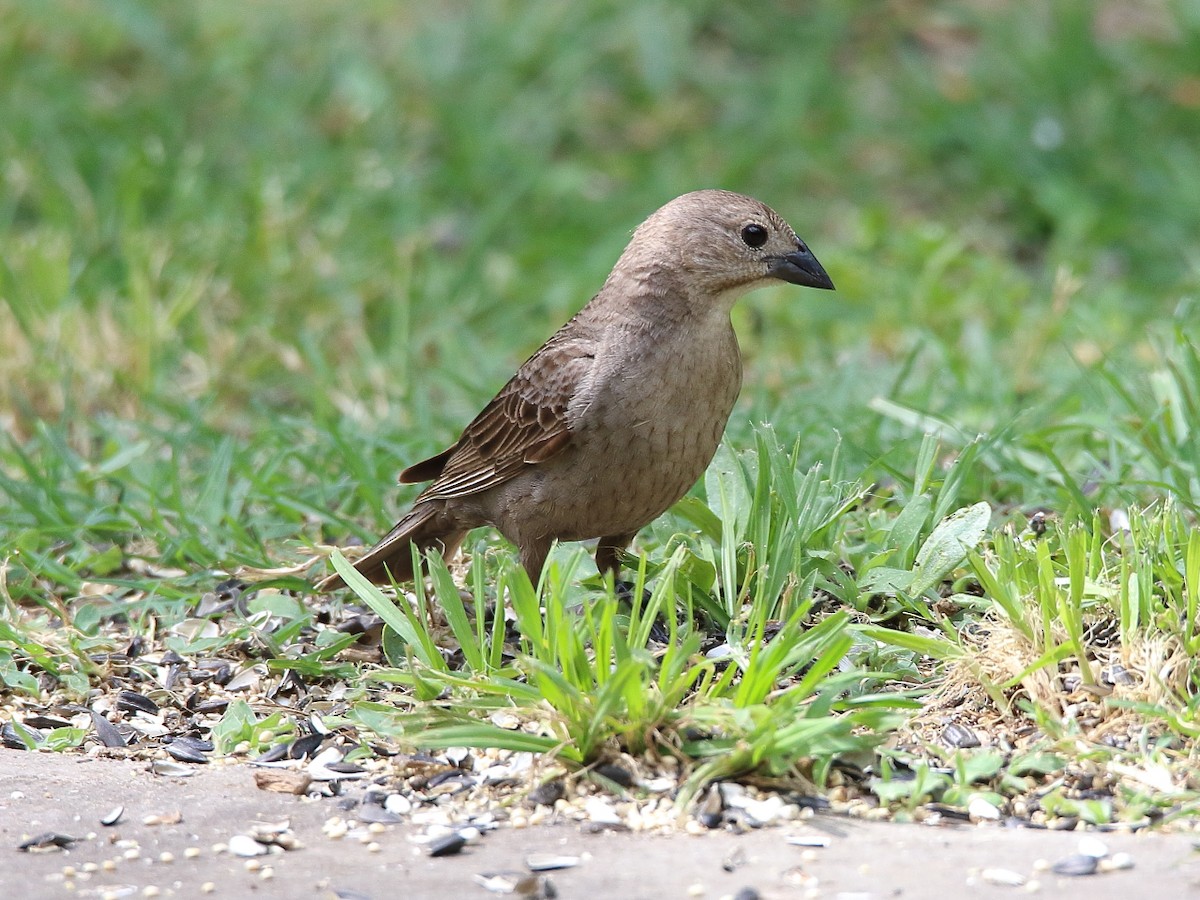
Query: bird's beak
802	268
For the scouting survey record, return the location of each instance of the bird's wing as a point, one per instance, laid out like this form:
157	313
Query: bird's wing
525	424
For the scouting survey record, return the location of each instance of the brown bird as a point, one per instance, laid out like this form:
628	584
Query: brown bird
621	411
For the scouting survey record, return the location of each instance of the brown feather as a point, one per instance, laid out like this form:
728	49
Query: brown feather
427	469
525	424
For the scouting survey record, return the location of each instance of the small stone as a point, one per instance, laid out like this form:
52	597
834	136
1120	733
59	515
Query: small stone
1092	846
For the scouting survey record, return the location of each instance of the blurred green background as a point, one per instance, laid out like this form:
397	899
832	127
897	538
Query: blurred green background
255	257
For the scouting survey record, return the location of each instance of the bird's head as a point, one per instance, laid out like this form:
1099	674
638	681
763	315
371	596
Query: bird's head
727	243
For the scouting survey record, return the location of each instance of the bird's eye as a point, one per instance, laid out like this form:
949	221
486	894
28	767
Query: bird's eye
754	236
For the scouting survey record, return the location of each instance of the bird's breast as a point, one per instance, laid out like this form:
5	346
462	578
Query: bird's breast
650	430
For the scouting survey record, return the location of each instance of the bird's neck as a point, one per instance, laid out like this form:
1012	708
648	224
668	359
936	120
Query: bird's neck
654	296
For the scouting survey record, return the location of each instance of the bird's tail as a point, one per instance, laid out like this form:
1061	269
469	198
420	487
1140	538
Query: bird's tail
391	558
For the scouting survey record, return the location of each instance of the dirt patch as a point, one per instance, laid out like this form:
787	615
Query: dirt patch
41	793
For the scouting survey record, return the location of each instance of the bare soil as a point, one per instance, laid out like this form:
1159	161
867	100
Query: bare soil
42	792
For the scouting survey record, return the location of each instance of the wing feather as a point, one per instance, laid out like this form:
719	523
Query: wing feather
525	424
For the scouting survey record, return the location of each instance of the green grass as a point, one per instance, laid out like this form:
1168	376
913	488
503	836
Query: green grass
254	259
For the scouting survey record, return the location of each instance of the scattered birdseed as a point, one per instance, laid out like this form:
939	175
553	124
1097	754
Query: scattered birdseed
48	840
170	818
1005	877
734	860
808	840
113	816
171	769
959	736
1116	862
980	809
335	828
282	781
1076	864
601	812
547	793
447	845
244	845
371	814
397	805
546	862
